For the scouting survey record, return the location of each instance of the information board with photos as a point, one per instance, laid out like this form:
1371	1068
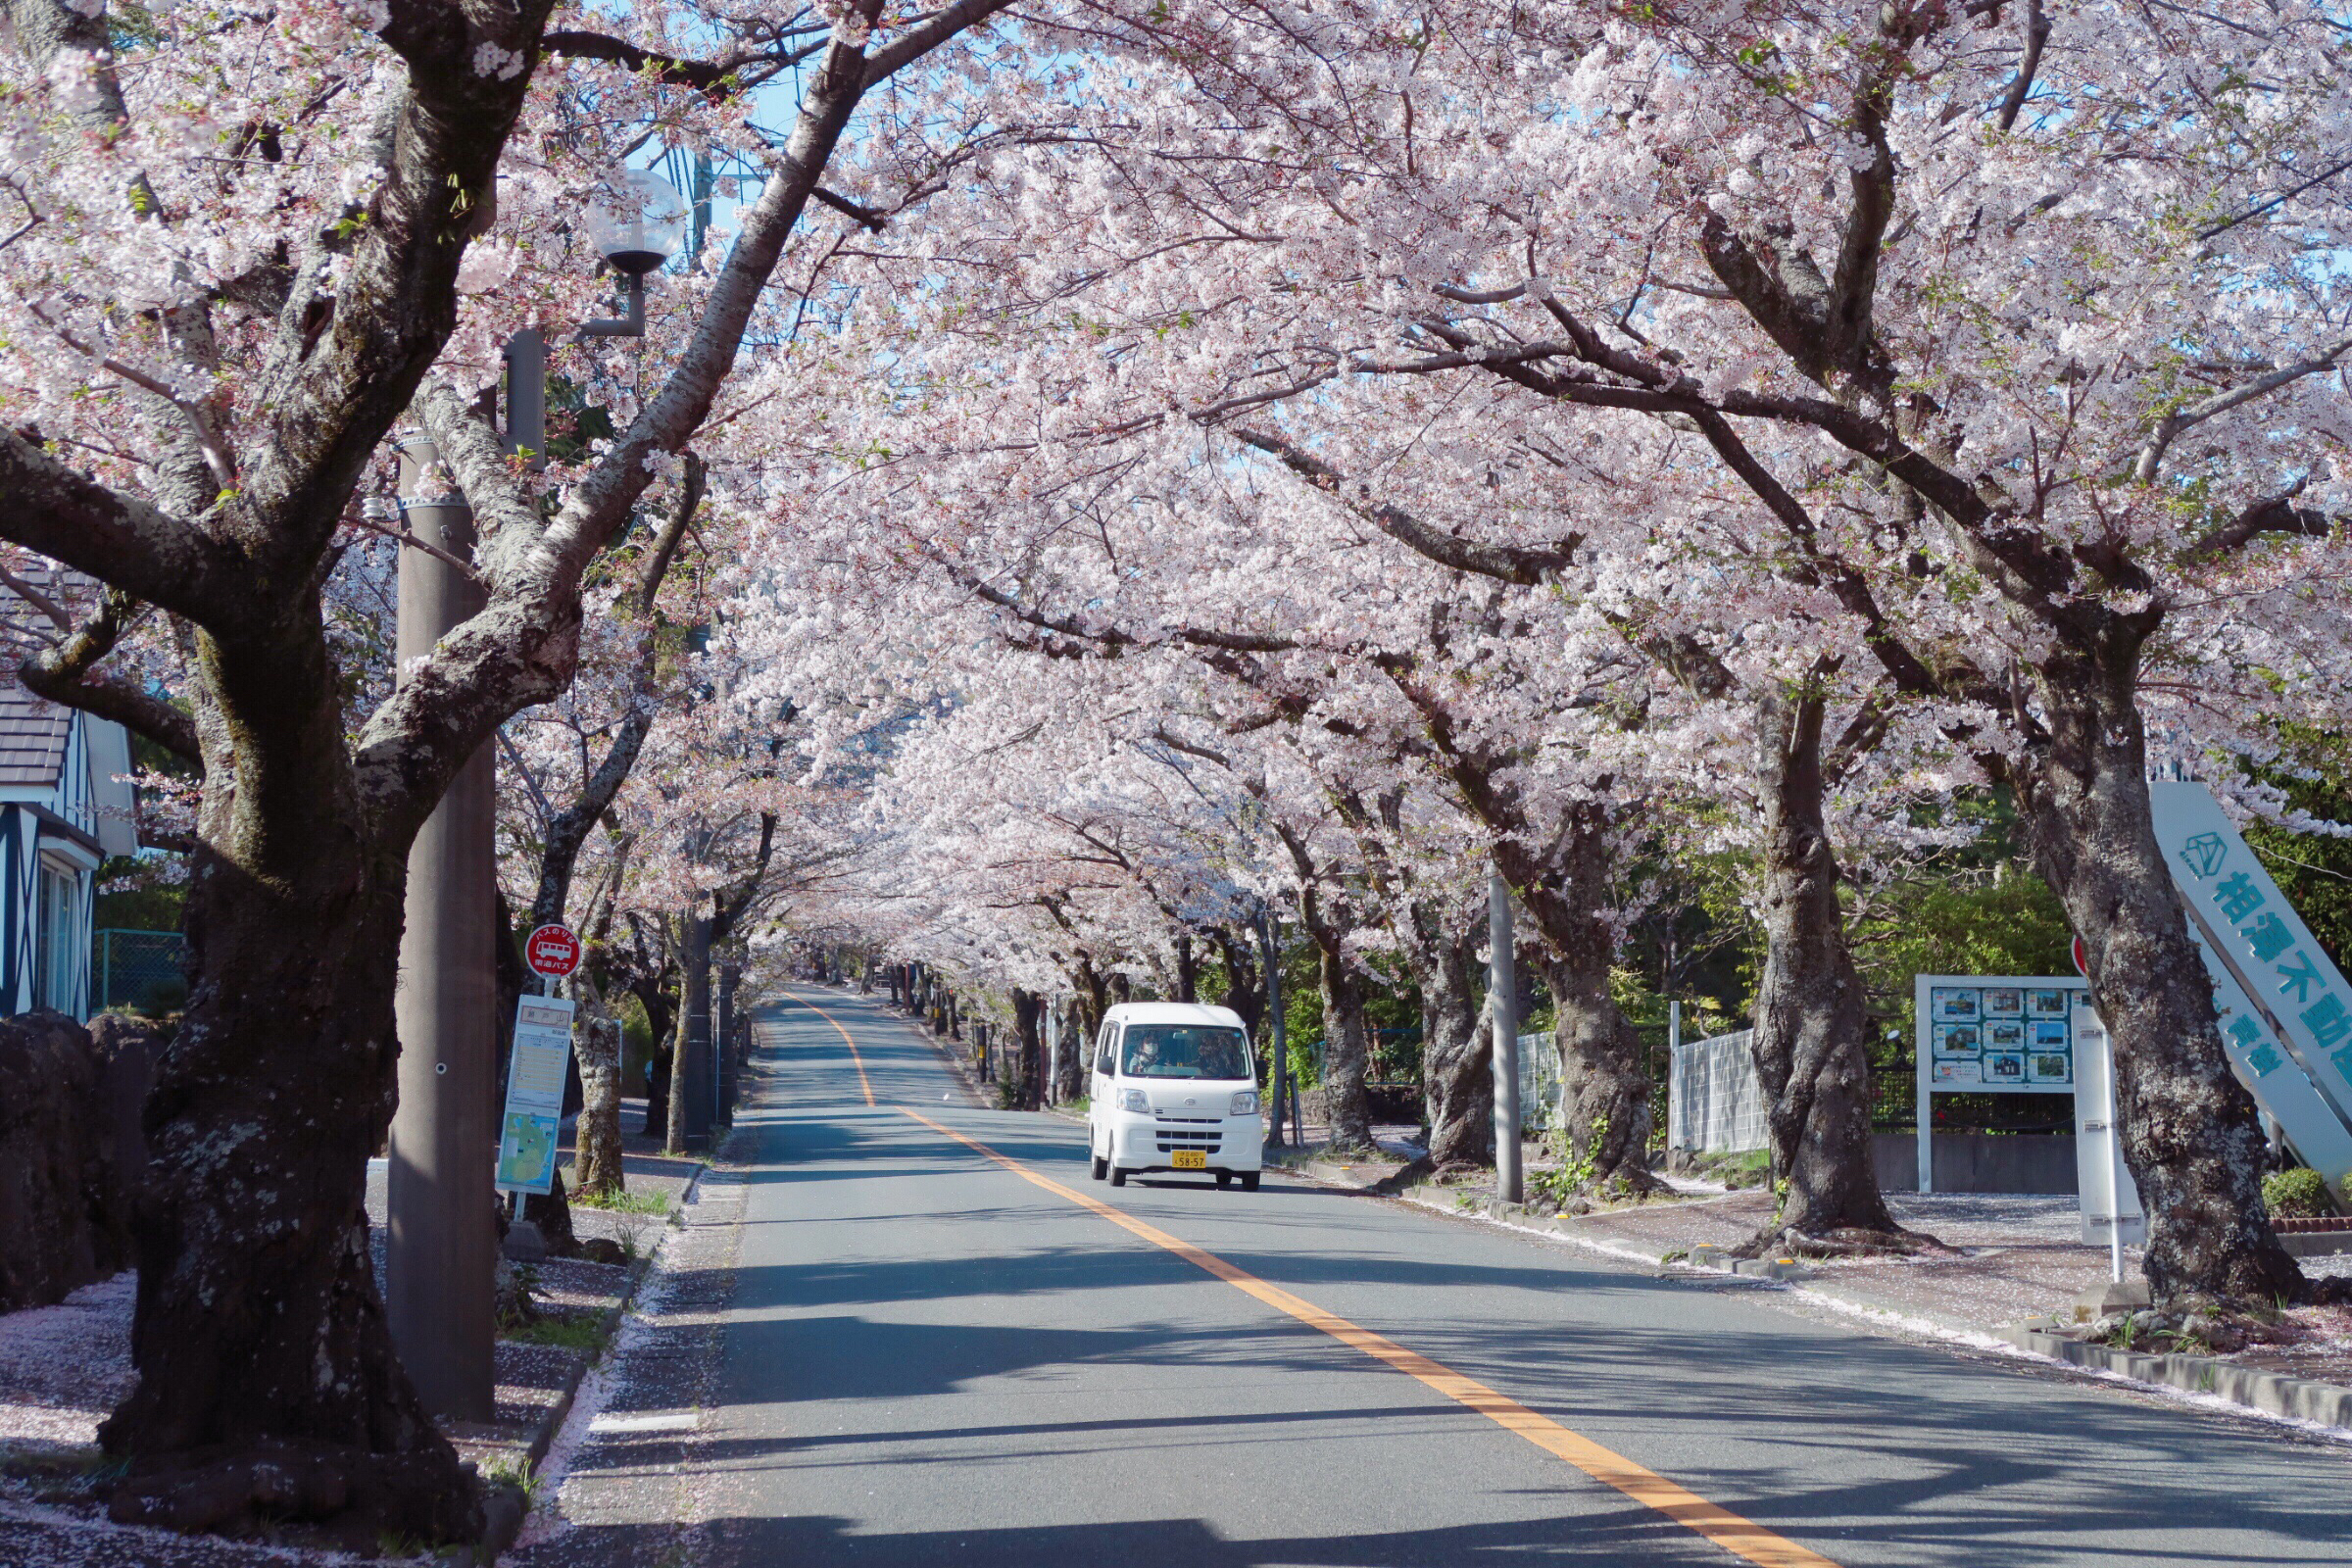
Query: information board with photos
1996	1033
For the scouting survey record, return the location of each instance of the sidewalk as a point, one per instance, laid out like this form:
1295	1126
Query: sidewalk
63	1368
2012	1268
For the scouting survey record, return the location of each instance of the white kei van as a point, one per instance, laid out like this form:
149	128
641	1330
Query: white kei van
1174	1089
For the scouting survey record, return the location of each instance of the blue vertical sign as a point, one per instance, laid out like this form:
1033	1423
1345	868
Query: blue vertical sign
2286	1010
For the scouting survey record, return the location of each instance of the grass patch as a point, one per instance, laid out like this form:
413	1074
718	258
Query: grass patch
624	1202
1750	1167
583	1332
509	1470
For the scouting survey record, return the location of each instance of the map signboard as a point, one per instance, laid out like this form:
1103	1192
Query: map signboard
532	1128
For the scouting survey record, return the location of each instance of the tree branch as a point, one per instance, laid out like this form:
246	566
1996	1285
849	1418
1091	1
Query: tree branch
2170	428
2037	33
1512	564
2272	514
66	674
719	79
119	540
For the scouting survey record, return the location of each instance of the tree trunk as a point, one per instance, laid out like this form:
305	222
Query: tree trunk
1811	1021
1604	1086
1028	1071
1346	1051
1245	987
1077	1045
660	1016
1188	976
551	1212
267	1386
1457	1056
597	1167
2189	1131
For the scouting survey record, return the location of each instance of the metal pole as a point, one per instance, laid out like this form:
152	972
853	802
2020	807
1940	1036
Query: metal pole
441	1245
728	1068
526	395
1502	988
1052	1046
1674	1057
1278	1066
2115	1184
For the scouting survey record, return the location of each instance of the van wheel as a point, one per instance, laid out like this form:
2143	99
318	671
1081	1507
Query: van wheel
1224	1178
1249	1181
1097	1166
1118	1177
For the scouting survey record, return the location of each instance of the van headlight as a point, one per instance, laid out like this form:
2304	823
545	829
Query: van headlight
1134	1100
1245	1104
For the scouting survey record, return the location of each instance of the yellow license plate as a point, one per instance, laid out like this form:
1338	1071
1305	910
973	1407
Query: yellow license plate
1190	1159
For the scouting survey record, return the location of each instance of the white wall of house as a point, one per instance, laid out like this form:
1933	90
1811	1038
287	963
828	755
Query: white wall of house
52	842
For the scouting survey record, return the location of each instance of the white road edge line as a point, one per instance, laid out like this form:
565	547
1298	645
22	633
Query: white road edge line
666	1421
1924	1327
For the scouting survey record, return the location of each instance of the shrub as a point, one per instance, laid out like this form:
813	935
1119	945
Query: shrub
2298	1194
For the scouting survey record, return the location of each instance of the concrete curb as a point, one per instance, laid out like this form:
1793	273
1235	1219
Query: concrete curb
2272	1392
506	1507
1451	1200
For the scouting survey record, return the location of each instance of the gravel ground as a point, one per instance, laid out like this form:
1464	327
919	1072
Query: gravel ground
64	1367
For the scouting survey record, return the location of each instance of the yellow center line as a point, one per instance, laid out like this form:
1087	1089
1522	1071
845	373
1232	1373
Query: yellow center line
859	1061
1742	1538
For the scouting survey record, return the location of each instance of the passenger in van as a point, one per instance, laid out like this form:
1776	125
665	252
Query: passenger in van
1177	1051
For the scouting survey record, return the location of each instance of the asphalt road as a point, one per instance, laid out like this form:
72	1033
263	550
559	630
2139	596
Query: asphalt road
931	1359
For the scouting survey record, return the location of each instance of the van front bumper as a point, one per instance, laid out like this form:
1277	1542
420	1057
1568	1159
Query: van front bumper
1142	1143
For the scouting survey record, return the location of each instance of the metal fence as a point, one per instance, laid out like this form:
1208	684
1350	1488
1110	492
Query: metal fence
1714	1102
143	970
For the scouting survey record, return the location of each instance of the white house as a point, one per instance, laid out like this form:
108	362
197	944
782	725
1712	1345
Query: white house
64	806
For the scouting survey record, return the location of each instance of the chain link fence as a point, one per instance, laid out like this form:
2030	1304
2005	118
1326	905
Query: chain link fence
145	971
1715	1104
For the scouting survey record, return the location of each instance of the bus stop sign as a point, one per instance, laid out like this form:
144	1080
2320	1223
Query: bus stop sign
551	951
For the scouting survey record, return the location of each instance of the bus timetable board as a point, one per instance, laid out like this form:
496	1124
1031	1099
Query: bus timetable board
532	1128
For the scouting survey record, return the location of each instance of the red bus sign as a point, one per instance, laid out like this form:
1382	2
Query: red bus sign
551	951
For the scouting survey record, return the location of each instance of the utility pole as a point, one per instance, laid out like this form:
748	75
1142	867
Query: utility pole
1502	992
441	1244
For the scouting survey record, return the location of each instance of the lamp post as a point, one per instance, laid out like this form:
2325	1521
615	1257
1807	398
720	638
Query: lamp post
441	1237
441	1240
636	228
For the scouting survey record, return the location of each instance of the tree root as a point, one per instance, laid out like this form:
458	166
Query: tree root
1847	1242
353	1497
1411	1174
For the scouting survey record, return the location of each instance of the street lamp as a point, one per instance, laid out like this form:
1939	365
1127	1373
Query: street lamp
441	1242
636	224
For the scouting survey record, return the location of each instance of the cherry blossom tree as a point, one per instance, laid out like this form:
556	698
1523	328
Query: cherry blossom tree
203	352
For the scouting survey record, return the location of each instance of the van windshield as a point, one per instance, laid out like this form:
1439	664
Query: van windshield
1184	1051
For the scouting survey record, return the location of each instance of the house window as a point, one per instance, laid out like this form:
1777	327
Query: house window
60	939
